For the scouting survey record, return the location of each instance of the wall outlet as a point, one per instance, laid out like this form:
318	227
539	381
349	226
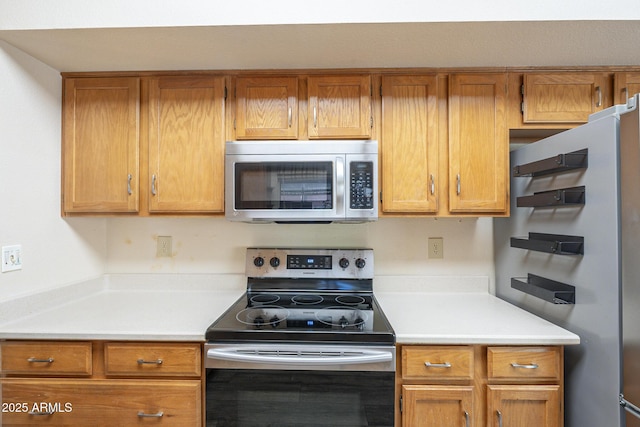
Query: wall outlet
436	247
164	246
11	258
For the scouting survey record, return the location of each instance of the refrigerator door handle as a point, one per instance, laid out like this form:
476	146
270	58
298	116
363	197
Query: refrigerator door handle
629	407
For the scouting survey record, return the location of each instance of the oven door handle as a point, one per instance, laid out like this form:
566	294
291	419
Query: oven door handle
300	357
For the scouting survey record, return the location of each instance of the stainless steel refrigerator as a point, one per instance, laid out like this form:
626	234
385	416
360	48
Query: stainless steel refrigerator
570	253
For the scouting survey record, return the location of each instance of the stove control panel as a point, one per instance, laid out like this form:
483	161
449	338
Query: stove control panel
321	263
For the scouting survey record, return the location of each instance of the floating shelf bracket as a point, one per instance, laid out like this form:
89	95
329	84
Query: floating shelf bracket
556	164
546	289
574	196
558	244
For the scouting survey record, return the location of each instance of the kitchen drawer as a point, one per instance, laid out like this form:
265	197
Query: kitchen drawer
78	402
153	359
515	363
45	358
437	362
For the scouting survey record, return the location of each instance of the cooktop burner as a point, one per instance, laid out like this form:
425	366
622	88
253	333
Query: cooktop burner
332	300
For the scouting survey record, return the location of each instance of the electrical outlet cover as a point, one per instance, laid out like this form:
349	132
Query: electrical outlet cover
11	258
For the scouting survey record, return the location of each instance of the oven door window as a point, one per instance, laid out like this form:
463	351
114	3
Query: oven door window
262	398
284	186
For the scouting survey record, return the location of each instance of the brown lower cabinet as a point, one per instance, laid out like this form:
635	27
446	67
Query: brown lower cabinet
56	383
476	386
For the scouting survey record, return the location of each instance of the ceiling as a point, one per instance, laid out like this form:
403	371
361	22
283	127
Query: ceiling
457	44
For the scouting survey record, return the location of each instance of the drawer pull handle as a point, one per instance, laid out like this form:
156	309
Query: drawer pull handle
145	415
36	360
466	419
519	366
499	414
40	413
437	365
149	362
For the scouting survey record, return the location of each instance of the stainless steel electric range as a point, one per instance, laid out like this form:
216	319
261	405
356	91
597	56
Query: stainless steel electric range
306	345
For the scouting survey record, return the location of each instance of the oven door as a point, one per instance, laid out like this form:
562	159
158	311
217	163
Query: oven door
285	187
302	385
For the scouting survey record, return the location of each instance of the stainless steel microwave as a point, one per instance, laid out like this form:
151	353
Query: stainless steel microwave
301	181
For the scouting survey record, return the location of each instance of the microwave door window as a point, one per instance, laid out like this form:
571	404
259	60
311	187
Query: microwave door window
284	186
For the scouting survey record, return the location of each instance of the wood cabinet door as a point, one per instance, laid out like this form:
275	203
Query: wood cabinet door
409	144
524	406
626	85
186	144
437	406
100	145
267	108
339	106
478	143
563	97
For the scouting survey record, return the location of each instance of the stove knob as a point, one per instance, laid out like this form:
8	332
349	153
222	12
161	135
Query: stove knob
360	263
258	322
274	262
258	261
359	323
274	321
343	263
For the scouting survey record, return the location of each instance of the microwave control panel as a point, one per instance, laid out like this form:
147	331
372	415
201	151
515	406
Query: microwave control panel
361	185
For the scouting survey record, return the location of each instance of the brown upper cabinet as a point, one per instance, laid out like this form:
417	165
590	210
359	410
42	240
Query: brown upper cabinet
100	145
409	144
339	106
565	99
626	85
267	107
186	144
478	143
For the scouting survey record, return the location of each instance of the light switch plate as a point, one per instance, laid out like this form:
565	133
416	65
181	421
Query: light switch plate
11	258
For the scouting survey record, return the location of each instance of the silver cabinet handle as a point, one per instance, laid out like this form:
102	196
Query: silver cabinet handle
145	415
466	419
153	185
599	94
36	360
519	366
626	94
290	116
458	187
432	185
499	414
315	116
129	178
437	365
149	362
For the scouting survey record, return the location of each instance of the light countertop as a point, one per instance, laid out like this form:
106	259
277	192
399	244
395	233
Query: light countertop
181	307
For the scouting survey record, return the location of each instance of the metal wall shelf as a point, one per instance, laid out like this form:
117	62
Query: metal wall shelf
558	244
546	289
574	196
556	164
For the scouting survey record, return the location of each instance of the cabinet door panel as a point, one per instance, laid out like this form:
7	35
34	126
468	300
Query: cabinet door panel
409	144
437	406
267	108
103	402
100	145
524	406
186	144
562	97
626	85
339	106
478	143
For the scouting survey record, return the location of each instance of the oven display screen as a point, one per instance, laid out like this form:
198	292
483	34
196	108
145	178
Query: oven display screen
315	262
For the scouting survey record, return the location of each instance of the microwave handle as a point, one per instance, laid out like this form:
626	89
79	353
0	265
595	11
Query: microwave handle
340	185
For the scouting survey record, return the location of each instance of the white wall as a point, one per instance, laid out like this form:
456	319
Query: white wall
54	251
38	14
214	245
